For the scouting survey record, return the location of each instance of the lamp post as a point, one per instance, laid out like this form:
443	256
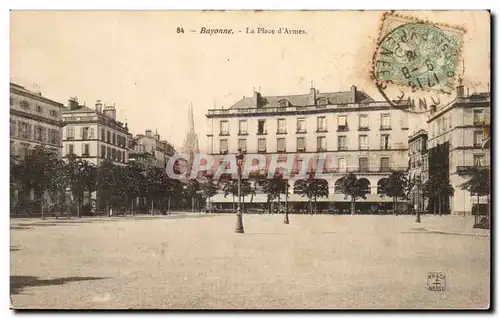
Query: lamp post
418	199
286	221
239	214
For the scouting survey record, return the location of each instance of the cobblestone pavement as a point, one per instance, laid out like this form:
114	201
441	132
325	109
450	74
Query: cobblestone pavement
176	262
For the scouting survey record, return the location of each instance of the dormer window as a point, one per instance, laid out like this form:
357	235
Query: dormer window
283	103
322	102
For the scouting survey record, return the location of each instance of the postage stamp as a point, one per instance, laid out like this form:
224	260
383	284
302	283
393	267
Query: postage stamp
414	57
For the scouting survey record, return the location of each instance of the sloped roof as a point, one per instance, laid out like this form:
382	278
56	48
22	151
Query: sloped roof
343	97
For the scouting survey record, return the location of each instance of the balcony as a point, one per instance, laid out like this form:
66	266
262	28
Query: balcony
342	128
469	169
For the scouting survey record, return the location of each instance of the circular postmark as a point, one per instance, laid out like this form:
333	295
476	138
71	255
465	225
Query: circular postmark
416	63
417	55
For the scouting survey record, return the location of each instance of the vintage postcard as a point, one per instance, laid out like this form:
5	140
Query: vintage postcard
250	160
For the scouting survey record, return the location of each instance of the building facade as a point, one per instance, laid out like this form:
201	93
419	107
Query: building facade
354	133
462	125
95	135
34	121
418	171
151	151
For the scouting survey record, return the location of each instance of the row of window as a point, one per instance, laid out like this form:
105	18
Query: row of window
106	152
321	124
39	109
301	144
37	133
444	123
106	136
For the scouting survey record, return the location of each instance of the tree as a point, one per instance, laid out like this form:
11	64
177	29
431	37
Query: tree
350	186
312	188
40	168
106	183
397	186
156	186
230	187
134	183
82	177
209	189
435	189
479	183
191	191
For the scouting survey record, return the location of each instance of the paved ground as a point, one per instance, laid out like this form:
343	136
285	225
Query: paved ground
199	262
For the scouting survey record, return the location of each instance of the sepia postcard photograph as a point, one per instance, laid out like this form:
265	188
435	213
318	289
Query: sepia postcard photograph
251	159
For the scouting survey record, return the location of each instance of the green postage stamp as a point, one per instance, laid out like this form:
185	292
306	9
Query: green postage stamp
416	54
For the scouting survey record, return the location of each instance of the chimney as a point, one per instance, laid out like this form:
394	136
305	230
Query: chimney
109	111
460	89
353	94
312	96
73	103
256	98
148	133
98	106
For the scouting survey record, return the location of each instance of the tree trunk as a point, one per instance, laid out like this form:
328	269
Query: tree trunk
279	203
192	204
315	206
439	205
353	206
268	205
310	207
488	208
435	208
478	208
152	207
132	207
107	209
233	204
78	208
41	206
168	211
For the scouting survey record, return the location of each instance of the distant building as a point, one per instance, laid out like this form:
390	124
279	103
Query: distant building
418	167
151	151
461	126
358	134
34	121
95	134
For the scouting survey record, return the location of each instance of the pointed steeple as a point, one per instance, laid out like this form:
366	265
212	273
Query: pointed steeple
191	141
191	119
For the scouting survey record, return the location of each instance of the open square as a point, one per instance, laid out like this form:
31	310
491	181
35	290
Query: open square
196	261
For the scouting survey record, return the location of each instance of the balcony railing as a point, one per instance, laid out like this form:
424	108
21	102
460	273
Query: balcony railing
469	169
358	170
472	99
265	110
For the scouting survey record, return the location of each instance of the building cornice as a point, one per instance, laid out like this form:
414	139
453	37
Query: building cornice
34	96
299	110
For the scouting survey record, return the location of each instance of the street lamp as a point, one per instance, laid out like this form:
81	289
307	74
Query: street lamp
418	198
239	215
286	221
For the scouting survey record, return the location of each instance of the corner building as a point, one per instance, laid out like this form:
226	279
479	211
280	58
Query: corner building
354	132
462	126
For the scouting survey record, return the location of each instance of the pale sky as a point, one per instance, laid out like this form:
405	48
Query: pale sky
137	59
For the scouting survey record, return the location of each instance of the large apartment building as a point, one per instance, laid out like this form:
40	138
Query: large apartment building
34	121
461	127
95	134
354	132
